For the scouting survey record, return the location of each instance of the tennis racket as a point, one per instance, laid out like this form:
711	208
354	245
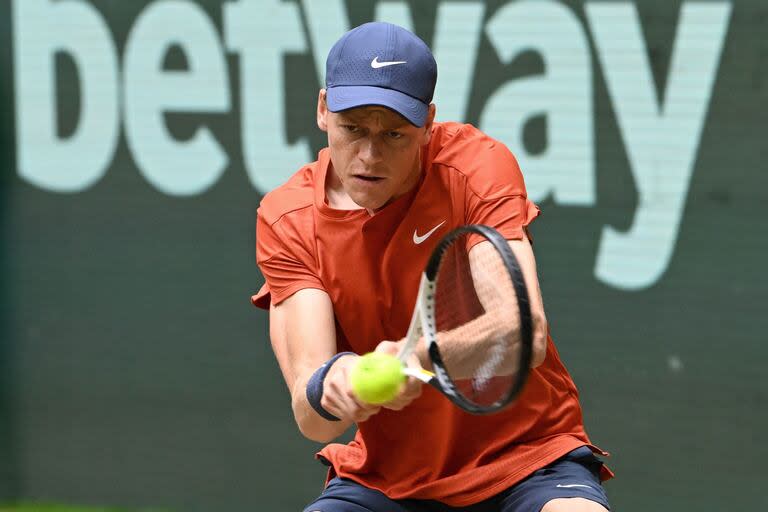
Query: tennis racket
473	311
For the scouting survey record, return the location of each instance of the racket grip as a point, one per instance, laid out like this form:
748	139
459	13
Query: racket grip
423	375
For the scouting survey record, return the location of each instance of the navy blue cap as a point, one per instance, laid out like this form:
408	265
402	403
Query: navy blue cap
381	64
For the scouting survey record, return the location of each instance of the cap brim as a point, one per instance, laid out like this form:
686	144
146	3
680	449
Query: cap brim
351	96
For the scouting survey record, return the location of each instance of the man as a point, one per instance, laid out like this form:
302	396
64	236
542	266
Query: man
342	245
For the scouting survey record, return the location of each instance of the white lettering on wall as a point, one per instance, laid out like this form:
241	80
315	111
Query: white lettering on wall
661	137
326	20
172	166
661	140
565	169
261	32
458	26
41	28
398	13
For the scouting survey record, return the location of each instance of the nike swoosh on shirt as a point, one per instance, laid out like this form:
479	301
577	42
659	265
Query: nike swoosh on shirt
573	485
419	239
375	64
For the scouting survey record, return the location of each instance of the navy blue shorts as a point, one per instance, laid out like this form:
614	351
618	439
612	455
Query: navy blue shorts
575	475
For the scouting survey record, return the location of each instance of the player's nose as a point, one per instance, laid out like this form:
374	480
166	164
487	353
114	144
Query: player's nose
370	152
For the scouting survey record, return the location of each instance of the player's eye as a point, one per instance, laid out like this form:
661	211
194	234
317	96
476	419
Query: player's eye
394	135
351	128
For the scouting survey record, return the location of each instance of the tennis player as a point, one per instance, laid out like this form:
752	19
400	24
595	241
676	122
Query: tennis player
342	246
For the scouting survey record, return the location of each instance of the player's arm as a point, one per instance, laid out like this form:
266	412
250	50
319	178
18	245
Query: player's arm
523	251
466	347
469	345
303	335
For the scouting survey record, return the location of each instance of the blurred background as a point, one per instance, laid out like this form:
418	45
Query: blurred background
137	139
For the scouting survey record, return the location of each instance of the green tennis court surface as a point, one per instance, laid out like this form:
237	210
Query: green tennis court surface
69	508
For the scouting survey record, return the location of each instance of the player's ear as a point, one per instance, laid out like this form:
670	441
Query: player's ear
427	134
322	111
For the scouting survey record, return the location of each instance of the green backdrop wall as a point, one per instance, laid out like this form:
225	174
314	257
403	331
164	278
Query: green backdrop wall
137	138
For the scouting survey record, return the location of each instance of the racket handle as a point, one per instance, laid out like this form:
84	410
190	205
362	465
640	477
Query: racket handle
423	375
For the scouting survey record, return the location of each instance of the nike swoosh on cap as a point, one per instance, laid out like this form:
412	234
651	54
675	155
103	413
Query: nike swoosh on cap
419	239
573	485
375	64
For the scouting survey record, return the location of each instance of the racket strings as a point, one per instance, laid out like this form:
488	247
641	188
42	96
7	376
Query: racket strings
476	321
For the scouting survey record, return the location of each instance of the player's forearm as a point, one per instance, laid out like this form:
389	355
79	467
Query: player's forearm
310	423
491	340
540	335
481	341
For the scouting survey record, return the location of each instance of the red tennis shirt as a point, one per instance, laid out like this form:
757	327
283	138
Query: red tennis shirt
370	267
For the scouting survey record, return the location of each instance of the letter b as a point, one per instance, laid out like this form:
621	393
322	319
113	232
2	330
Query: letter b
41	28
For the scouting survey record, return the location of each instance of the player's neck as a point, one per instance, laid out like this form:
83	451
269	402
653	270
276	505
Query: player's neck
335	195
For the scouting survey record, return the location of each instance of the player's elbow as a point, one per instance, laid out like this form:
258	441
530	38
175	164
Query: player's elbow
539	341
312	433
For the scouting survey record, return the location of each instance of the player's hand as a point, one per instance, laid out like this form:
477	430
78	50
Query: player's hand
412	388
338	397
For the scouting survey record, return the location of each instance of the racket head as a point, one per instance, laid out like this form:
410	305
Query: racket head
477	320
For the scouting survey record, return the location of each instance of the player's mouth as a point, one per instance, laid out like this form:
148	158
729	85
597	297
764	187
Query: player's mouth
367	179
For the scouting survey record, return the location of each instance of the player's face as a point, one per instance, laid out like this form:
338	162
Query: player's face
375	152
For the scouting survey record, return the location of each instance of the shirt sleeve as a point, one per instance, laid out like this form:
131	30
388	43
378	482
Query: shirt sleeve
496	195
286	263
509	215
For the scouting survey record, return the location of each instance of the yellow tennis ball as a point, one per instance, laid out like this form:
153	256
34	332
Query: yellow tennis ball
376	378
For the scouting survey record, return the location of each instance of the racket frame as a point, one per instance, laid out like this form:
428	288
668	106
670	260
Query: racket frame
423	322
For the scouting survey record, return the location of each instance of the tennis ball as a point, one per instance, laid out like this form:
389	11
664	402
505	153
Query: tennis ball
376	377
